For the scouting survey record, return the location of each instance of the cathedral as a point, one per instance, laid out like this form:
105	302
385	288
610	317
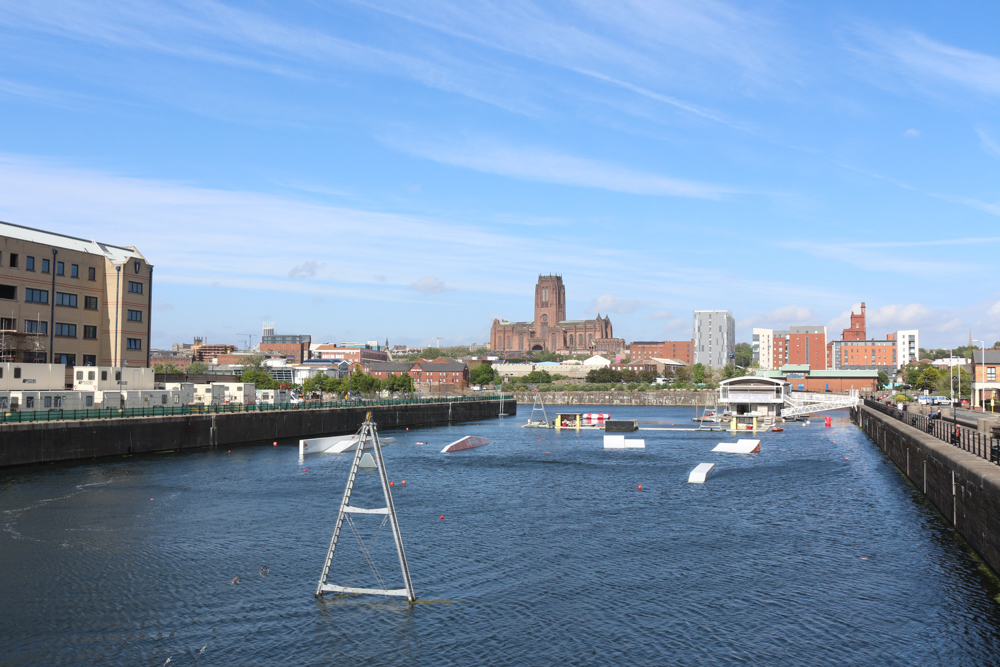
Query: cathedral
551	331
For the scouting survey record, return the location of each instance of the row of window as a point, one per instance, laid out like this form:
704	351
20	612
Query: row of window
67	299
29	265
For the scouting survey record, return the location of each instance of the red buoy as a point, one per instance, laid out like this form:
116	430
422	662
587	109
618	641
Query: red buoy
442	517
546	453
640	487
275	443
392	484
306	470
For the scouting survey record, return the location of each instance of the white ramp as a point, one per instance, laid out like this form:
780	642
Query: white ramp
635	444
739	447
701	473
367	461
614	442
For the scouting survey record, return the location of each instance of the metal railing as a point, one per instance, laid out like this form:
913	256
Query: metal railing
946	430
60	414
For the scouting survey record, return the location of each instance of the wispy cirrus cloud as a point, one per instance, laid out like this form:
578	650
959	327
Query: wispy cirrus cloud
928	63
606	303
988	143
538	164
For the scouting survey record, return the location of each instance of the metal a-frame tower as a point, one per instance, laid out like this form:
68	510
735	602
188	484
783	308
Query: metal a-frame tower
367	436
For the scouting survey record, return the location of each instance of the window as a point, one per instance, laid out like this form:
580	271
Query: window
46	265
48	401
66	299
91	273
134	315
89	400
133	343
79	375
34	326
8	292
17	371
134	287
36	295
86	357
67	359
65	330
90	302
89	331
60	268
104	375
13	260
164	399
991	374
29	402
29	263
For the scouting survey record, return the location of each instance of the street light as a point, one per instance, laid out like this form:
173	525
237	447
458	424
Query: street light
983	364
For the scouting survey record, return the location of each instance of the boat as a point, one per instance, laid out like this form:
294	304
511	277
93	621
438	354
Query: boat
776	429
538	407
468	442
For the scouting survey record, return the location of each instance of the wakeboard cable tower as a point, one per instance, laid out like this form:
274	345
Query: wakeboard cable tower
367	437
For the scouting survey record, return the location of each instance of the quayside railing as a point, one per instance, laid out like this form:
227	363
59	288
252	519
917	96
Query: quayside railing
60	414
946	430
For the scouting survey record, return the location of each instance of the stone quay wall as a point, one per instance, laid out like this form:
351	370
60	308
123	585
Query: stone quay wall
963	487
41	442
667	397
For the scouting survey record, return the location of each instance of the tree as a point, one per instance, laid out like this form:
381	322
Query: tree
168	369
744	355
538	377
604	374
483	374
684	374
698	373
883	380
362	383
928	378
197	368
647	376
315	383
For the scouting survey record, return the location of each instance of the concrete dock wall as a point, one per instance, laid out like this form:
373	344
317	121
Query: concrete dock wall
963	487
39	442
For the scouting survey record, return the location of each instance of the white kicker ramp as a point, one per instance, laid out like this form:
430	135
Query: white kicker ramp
619	442
701	473
739	447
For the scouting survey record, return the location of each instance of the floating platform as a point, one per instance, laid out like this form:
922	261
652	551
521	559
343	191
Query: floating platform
739	447
621	425
701	473
337	444
468	442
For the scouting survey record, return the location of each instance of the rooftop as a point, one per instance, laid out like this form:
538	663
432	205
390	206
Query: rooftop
117	254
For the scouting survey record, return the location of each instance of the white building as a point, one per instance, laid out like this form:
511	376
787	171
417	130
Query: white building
714	338
110	378
763	348
32	377
907	347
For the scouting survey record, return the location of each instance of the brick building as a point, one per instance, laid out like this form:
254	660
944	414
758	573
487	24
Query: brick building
857	330
294	348
72	301
551	331
682	350
208	353
441	375
357	354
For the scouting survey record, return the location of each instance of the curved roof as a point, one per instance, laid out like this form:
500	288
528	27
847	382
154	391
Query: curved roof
758	380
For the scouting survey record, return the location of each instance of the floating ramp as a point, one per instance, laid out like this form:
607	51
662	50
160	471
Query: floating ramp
337	444
701	473
468	442
739	447
621	442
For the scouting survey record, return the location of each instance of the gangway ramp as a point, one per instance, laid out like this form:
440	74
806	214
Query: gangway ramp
808	403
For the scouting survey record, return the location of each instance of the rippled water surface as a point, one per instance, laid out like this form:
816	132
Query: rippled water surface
814	551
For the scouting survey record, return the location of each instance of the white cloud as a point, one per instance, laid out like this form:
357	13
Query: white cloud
988	143
661	315
898	316
537	164
911	133
608	304
306	269
931	63
429	285
780	318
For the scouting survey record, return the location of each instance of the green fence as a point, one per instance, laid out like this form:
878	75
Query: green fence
59	414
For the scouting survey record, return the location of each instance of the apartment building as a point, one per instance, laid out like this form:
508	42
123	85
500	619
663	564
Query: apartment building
714	338
644	350
72	301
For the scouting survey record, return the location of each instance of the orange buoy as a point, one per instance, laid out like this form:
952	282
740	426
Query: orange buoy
275	443
404	482
546	453
640	487
846	459
392	484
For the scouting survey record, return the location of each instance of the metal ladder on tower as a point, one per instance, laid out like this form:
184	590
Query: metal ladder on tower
367	434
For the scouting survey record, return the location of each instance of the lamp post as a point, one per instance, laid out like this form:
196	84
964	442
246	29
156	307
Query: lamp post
983	364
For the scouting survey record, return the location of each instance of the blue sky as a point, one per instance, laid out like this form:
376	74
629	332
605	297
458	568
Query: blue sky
363	170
